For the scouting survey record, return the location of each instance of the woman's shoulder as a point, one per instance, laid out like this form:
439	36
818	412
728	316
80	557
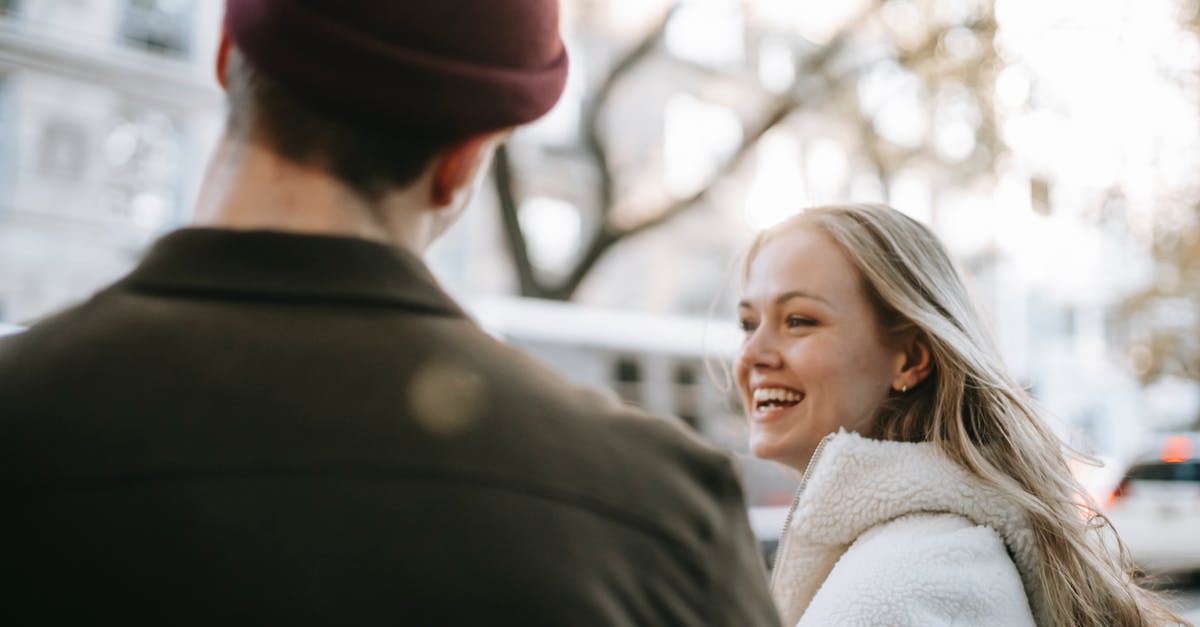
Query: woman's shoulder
923	569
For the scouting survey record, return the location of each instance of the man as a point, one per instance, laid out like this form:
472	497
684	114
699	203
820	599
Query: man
280	419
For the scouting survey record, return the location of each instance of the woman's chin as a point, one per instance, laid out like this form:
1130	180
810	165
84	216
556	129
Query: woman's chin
790	454
765	448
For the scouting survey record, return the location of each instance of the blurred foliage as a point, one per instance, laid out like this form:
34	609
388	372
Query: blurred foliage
1161	324
935	61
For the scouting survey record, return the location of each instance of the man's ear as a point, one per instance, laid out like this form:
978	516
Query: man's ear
458	166
915	363
223	49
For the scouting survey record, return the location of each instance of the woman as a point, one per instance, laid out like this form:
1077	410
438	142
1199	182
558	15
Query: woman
933	491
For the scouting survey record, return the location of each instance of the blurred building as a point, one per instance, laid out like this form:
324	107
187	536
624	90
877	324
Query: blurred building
106	110
1042	158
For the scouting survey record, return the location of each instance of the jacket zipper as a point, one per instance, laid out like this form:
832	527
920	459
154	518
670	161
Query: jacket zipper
781	550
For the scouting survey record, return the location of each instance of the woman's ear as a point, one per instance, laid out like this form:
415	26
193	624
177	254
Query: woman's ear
916	363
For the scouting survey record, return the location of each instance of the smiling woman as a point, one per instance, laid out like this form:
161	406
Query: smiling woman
816	357
933	490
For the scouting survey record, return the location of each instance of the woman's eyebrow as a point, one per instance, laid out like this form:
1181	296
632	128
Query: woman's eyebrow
789	295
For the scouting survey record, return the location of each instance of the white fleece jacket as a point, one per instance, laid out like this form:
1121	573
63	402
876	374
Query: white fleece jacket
894	533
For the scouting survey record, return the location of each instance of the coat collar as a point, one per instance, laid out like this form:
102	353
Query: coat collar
857	483
287	267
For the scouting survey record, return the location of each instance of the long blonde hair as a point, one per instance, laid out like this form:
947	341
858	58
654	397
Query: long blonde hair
972	409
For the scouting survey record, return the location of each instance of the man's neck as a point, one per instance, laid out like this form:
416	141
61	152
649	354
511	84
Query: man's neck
248	187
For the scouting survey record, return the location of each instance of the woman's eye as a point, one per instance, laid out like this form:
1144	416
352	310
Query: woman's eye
799	322
747	326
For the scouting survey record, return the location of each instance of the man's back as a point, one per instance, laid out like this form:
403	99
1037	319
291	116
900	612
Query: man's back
284	429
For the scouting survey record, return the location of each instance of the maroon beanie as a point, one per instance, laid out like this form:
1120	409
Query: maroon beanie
441	67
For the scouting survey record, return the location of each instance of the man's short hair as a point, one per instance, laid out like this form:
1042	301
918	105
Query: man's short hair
263	112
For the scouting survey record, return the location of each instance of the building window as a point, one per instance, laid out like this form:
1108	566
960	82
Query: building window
143	156
62	150
627	375
687	393
160	26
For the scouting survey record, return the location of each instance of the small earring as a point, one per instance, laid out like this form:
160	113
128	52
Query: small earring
903	389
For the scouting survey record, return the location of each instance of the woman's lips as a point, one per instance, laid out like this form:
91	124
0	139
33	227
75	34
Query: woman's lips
769	414
772	402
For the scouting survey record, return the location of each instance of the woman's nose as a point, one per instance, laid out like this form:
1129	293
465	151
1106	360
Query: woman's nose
760	351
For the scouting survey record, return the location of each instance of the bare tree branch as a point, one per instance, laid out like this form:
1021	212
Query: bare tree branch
870	140
597	150
600	243
782	110
594	142
607	234
502	176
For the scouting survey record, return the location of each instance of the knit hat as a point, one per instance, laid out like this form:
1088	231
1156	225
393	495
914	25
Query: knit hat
438	67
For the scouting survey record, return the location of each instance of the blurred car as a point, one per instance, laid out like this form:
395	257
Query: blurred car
1156	506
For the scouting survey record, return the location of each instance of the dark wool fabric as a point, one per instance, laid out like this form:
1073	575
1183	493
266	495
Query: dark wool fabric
259	428
402	66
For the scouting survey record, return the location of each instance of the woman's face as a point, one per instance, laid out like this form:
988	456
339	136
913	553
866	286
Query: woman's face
814	357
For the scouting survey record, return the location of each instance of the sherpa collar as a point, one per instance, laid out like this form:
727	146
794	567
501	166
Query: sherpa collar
855	483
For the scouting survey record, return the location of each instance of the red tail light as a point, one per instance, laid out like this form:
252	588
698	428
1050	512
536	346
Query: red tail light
1176	449
1122	490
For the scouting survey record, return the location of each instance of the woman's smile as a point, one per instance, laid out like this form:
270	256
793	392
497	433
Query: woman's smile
773	402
